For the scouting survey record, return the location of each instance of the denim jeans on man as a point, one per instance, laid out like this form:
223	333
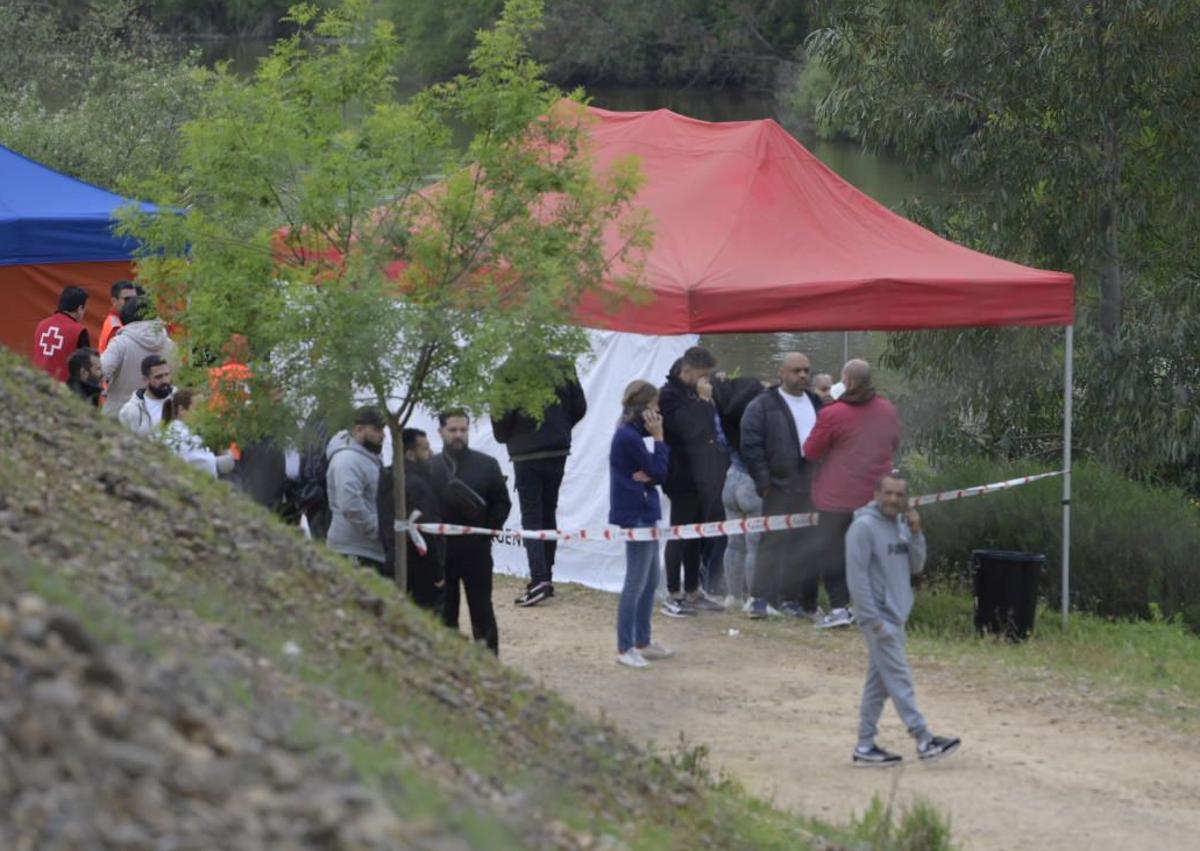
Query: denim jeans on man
741	501
637	595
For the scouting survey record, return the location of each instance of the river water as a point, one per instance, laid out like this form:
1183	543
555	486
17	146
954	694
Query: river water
884	179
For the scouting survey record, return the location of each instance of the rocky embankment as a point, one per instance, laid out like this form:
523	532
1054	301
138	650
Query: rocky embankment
178	670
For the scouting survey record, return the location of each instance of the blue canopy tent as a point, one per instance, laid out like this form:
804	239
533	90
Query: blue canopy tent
55	231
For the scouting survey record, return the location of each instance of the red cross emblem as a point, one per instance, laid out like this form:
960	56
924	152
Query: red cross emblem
51	341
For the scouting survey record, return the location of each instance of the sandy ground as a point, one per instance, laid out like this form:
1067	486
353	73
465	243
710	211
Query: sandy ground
777	707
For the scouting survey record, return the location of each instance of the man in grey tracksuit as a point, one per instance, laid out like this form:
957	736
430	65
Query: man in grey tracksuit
885	548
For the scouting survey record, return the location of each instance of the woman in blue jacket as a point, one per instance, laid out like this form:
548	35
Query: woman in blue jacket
634	476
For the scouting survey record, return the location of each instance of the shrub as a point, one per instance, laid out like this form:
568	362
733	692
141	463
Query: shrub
1134	546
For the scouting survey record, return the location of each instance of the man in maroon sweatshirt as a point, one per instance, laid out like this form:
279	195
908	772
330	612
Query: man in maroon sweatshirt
855	442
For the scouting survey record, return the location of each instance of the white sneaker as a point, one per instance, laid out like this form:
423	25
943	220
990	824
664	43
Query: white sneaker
631	658
654	650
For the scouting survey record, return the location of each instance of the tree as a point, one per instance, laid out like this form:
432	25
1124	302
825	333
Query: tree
1067	130
100	96
360	249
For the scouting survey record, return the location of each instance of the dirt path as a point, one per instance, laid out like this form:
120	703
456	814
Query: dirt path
777	707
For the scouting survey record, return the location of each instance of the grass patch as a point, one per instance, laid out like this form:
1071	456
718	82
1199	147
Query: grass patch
1141	665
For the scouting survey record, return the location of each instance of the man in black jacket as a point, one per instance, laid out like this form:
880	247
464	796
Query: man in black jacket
471	491
695	478
539	453
84	375
774	429
426	573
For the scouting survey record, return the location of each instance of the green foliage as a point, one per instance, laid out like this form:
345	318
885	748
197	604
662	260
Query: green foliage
627	41
491	258
98	95
1070	130
920	827
1133	545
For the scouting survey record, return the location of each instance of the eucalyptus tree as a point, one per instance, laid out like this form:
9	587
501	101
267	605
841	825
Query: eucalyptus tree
1065	131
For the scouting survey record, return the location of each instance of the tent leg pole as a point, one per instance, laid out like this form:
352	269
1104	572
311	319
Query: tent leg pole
845	346
1068	380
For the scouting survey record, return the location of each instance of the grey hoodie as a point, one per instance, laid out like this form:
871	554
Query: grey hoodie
882	556
122	360
352	483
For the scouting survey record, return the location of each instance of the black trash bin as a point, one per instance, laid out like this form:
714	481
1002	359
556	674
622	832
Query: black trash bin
1006	584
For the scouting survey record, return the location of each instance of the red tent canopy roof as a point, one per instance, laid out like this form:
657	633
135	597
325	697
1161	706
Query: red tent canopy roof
753	234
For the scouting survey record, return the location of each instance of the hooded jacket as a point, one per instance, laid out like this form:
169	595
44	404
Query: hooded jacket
855	443
527	439
121	362
352	482
882	556
698	460
136	416
770	444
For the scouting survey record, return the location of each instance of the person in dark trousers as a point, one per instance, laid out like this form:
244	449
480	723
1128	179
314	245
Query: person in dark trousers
884	549
352	482
426	573
774	429
634	473
699	459
471	491
855	442
84	375
61	333
309	493
539	451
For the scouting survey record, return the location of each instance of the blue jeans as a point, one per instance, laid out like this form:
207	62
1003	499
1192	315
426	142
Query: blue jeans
637	596
741	553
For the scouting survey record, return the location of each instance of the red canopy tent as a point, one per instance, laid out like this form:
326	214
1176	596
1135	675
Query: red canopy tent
752	233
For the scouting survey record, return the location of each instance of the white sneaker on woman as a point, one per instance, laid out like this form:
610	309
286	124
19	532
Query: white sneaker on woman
631	658
654	650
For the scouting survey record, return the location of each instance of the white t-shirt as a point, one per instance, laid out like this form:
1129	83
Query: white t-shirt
803	413
154	408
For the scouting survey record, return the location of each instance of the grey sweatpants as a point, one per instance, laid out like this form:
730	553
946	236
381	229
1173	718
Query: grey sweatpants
888	675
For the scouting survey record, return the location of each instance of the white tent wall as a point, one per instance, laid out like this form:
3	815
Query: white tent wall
616	359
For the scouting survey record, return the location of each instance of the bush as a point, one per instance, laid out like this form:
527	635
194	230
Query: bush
1134	546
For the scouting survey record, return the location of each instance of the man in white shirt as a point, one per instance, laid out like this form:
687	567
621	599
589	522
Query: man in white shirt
774	429
143	413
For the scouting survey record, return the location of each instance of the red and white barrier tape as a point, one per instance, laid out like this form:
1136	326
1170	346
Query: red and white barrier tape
949	496
750	525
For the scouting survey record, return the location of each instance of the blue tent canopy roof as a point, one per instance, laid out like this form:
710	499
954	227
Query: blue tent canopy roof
48	217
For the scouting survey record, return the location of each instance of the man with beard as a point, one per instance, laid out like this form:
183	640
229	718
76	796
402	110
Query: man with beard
352	482
144	411
84	375
426	573
471	491
699	459
855	442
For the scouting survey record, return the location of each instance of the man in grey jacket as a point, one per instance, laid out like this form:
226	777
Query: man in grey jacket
885	548
352	483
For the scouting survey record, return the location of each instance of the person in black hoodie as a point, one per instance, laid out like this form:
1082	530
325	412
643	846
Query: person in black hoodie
471	491
539	451
699	459
426	573
84	375
773	432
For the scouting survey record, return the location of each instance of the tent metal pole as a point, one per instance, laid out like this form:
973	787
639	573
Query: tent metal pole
1068	378
845	346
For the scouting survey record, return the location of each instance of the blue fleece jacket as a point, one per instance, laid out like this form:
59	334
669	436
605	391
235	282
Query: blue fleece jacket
631	503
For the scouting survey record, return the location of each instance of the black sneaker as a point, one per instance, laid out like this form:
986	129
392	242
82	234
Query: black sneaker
535	594
937	747
875	757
